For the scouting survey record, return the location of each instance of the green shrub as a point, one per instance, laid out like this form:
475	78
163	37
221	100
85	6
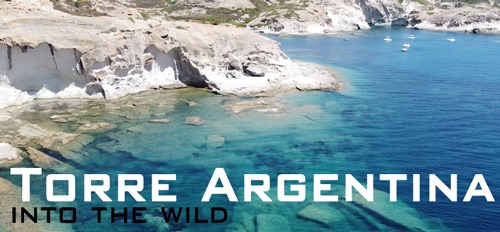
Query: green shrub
248	20
145	15
82	3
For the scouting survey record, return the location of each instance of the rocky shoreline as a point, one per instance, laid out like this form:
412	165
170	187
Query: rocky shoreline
46	53
68	56
336	17
350	16
127	50
50	54
480	18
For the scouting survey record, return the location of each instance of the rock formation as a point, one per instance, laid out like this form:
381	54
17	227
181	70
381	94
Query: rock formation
326	16
321	16
9	155
458	17
47	53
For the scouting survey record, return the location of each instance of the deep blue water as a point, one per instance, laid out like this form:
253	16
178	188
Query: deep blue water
431	110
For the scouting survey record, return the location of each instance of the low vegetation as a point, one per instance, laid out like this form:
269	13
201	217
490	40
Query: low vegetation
145	15
236	16
151	3
181	10
79	7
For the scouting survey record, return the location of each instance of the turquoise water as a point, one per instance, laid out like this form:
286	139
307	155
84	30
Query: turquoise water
433	109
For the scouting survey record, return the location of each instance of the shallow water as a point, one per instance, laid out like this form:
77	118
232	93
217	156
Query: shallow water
432	109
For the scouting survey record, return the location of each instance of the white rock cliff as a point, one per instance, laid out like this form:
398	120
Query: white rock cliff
326	16
46	53
293	17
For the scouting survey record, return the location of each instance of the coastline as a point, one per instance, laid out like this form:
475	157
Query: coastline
479	28
109	57
115	55
478	17
126	139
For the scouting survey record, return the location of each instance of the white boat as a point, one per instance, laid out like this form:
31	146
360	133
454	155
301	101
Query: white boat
411	37
451	39
406	45
388	38
404	49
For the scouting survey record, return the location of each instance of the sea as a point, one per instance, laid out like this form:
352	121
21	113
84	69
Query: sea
434	109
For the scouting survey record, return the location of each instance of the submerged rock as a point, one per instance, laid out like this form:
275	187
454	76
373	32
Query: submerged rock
60	118
321	213
215	141
241	106
270	110
272	223
160	120
393	214
156	223
97	127
45	161
66	144
135	129
196	121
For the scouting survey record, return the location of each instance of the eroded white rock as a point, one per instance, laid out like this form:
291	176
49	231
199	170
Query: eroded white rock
111	57
4	118
8	152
